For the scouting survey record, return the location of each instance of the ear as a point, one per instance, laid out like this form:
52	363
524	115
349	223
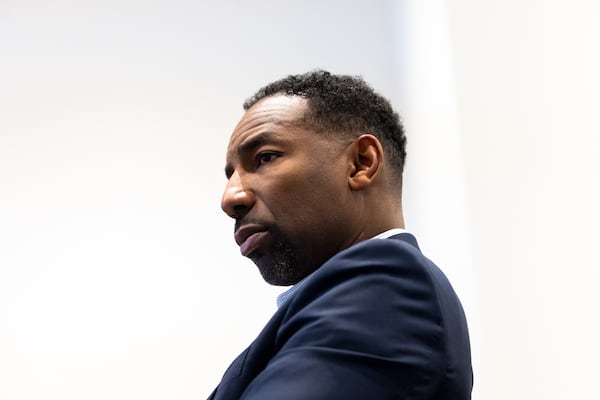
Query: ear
367	159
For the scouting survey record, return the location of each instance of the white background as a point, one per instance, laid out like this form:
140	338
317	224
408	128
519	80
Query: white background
119	277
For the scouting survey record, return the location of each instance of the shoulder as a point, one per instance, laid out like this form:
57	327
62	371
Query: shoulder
374	265
383	286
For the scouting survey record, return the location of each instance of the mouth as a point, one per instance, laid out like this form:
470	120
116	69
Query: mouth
250	237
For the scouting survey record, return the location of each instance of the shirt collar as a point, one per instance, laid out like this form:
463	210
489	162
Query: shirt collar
389	233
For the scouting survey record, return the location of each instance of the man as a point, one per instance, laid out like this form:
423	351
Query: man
314	171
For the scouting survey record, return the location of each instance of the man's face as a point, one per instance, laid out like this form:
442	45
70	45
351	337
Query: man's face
288	191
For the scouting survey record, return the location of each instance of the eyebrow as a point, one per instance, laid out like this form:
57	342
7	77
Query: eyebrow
249	145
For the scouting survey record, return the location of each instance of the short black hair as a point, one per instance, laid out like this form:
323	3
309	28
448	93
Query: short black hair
343	104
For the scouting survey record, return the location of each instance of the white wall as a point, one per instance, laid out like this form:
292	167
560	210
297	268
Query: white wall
527	73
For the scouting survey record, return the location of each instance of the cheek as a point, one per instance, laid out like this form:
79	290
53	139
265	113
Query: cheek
305	191
314	200
292	201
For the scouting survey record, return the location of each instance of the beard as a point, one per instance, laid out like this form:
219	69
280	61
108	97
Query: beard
279	266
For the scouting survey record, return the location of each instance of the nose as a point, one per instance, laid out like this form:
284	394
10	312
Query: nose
237	199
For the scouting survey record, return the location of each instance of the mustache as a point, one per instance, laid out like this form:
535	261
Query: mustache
249	221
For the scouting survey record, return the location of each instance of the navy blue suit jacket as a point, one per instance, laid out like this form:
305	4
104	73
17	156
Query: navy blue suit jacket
377	321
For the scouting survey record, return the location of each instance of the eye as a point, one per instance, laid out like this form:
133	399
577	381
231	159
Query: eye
266	157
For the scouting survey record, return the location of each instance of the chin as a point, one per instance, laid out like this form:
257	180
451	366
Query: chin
278	273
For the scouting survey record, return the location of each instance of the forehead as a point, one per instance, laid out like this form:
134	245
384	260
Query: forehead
271	117
272	111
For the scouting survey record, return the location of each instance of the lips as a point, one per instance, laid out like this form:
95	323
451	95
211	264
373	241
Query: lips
249	238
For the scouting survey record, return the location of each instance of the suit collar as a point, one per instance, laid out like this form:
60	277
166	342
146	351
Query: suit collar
406	237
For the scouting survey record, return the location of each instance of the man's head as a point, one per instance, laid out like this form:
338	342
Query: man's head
343	105
313	166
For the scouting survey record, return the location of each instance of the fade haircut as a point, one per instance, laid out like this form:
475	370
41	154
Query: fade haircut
343	105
